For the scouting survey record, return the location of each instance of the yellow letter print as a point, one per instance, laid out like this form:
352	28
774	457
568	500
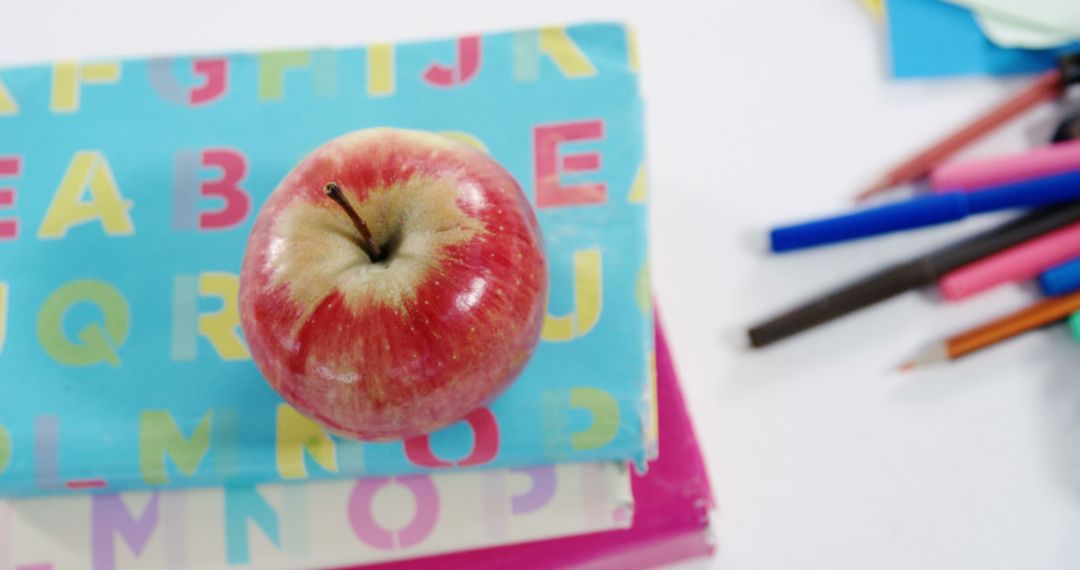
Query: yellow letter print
159	437
5	448
588	300
68	77
272	68
222	328
380	70
97	344
632	60
468	139
652	434
605	418
89	173
8	106
639	190
567	56
642	289
296	434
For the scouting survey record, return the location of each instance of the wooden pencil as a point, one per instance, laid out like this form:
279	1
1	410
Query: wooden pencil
1048	86
1032	317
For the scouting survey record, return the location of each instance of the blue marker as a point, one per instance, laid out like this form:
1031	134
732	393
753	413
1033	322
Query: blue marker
1062	279
927	211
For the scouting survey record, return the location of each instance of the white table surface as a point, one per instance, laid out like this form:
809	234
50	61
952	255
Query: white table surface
758	112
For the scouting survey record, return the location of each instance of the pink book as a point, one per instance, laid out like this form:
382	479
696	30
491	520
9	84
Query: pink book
671	518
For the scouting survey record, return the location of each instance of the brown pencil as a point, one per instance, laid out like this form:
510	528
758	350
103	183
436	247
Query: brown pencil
1041	313
1048	86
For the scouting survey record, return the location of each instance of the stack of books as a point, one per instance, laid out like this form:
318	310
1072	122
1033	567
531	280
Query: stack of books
138	433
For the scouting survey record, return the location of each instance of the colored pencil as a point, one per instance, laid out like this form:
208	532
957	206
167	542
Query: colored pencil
986	335
1048	86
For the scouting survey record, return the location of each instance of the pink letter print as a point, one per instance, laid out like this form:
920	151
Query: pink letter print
214	73
367	529
485	446
550	192
468	52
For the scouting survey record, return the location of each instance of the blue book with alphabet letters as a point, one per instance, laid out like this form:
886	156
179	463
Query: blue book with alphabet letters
127	192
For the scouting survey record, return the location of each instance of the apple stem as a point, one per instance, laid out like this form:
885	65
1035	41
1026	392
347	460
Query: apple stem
367	243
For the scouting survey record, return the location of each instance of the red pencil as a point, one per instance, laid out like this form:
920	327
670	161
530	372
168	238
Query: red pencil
1048	86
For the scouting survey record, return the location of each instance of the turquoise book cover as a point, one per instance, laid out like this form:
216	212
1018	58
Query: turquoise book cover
127	192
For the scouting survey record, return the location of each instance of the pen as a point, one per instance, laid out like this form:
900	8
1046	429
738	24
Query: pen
988	172
925	211
1017	263
1061	279
919	272
1068	130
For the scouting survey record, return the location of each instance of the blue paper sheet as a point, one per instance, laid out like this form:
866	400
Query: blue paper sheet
127	191
931	38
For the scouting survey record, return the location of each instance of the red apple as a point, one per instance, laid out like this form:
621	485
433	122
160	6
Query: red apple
393	282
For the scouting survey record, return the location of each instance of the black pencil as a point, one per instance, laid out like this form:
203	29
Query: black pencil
919	272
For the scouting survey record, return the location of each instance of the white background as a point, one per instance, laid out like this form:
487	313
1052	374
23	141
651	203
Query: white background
760	112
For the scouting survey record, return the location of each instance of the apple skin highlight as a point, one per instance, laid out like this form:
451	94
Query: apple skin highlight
392	348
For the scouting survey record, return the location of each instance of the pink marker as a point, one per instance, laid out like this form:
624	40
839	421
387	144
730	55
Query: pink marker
1017	263
979	174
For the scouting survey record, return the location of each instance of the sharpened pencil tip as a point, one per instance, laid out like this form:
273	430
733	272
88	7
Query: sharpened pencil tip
934	354
874	189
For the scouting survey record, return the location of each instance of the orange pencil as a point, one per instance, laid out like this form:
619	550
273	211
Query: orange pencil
1041	313
1048	86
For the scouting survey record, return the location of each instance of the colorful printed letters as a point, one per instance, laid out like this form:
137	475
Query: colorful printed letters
485	443
213	72
108	192
10	166
235	202
94	343
159	437
550	192
89	174
69	77
296	434
588	299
